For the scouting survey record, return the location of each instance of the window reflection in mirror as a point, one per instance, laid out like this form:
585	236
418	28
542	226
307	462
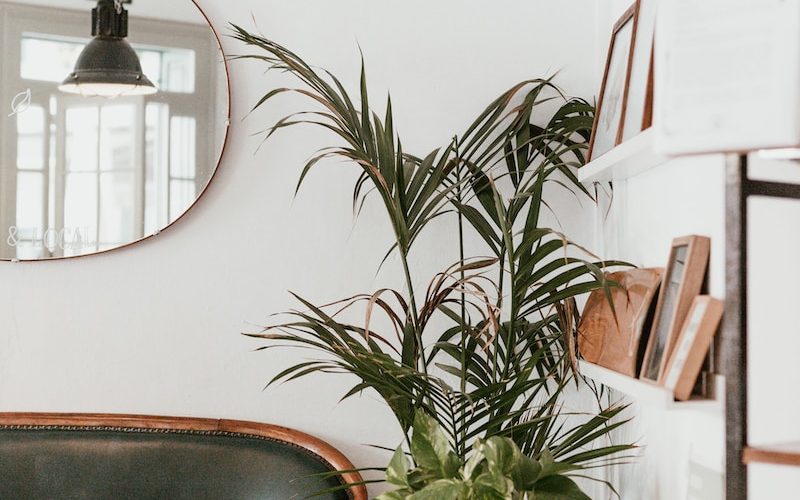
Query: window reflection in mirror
80	174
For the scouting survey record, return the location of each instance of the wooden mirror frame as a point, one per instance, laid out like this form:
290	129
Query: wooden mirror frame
225	138
314	445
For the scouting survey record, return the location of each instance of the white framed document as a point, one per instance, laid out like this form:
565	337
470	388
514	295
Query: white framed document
727	76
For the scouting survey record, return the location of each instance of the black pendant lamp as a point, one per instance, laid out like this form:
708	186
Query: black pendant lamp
108	65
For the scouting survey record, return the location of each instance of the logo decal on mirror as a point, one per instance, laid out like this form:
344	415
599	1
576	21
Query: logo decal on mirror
77	238
20	102
12	237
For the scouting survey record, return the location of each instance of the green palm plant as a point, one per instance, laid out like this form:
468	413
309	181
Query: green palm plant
500	368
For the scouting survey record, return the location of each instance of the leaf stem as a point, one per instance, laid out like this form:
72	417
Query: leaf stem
413	306
462	258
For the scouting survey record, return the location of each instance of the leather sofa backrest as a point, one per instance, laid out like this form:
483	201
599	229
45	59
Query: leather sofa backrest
110	457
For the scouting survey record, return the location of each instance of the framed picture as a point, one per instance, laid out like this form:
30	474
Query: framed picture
683	280
706	102
607	129
639	89
610	331
692	345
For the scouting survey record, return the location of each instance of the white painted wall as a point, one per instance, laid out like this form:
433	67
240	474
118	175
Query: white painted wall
686	196
155	328
773	340
647	212
680	197
183	11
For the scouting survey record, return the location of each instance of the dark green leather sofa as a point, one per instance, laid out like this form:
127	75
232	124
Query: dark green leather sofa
49	456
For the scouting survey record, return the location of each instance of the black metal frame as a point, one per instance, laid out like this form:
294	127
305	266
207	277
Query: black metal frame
739	188
734	340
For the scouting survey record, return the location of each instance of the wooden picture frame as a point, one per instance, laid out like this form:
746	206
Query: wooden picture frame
638	110
611	332
607	127
683	280
647	120
692	346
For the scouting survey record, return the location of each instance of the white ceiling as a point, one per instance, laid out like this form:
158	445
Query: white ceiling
172	10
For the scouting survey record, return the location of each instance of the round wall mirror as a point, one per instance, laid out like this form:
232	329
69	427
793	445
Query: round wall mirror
114	118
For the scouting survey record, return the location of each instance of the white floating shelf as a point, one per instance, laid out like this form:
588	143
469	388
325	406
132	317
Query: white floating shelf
632	157
651	394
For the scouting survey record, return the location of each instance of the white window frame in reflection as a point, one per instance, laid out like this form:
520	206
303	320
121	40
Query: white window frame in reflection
195	101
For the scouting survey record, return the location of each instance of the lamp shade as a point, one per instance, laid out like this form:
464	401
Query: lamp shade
108	67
